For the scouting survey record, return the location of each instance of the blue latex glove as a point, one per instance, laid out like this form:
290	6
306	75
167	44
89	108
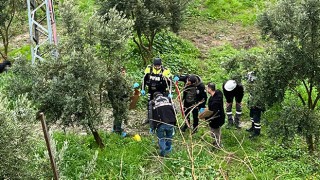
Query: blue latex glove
176	78
123	134
151	131
170	95
143	92
202	110
136	85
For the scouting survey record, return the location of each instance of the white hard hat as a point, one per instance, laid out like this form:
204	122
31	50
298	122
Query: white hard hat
230	85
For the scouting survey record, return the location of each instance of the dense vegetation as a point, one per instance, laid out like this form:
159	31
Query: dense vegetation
217	40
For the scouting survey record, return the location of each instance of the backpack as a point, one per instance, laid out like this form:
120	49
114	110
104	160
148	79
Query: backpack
191	95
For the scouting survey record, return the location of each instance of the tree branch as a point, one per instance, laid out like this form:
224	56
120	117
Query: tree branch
315	102
299	95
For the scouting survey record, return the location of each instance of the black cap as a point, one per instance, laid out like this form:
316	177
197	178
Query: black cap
157	61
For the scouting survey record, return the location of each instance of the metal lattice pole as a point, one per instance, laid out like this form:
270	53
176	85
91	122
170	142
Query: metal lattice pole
42	29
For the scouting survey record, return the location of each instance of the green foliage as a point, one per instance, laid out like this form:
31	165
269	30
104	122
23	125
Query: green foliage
293	119
243	11
123	157
22	51
285	163
71	88
217	57
295	61
150	17
17	139
8	10
179	55
114	34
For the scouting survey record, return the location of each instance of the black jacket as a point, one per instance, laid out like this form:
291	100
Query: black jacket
162	111
201	91
215	104
237	93
3	65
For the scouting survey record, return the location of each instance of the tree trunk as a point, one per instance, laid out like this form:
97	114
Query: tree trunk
310	143
96	136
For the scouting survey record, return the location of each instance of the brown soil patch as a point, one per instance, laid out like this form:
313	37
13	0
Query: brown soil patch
207	34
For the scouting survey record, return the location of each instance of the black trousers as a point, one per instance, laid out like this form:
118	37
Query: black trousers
195	114
255	115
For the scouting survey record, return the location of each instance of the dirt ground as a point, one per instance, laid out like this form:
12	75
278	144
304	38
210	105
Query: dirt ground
208	34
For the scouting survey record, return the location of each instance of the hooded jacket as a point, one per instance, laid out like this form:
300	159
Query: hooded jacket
201	91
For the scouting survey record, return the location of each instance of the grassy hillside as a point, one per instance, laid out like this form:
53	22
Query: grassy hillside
213	31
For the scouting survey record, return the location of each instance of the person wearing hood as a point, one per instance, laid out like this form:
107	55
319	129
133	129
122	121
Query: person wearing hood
194	98
217	119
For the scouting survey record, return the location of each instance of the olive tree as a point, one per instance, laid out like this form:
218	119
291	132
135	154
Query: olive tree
69	88
9	10
292	68
150	17
18	139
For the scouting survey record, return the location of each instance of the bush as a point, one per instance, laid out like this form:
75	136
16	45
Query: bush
18	140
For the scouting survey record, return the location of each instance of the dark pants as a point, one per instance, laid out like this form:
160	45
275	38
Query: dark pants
195	114
255	115
236	119
165	134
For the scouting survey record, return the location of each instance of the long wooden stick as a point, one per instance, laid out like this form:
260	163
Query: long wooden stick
46	137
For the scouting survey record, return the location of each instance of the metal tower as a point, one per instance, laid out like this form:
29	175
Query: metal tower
42	27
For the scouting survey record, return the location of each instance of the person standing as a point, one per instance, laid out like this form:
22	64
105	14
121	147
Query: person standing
194	98
233	90
156	79
119	95
256	107
163	121
217	119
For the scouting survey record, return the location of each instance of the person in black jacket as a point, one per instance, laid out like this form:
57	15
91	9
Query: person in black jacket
217	119
233	90
4	66
163	121
194	98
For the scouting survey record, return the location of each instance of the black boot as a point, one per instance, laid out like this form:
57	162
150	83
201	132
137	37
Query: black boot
184	128
256	132
194	130
237	126
229	125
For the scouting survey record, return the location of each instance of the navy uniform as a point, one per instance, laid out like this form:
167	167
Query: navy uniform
256	107
158	79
